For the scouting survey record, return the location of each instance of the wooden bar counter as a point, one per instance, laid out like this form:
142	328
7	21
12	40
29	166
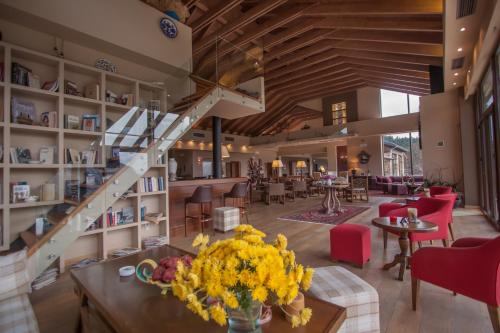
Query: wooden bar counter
182	189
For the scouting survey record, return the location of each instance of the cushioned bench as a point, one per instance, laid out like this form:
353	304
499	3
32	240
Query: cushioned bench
337	285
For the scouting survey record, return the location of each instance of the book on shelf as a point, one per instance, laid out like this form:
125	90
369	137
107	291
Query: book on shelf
20	74
97	224
90	122
154	241
151	184
47	155
72	190
92	91
86	157
119	217
52	86
71	122
126	251
49	119
33	81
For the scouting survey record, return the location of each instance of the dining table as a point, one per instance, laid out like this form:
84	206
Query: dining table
110	303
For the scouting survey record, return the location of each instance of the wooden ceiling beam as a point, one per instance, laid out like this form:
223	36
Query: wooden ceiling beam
301	27
327	78
379	7
321	85
386	76
332	65
328	91
401	72
272	64
431	50
383	23
313	60
212	14
306	40
372	63
404	58
407	37
395	88
397	84
262	8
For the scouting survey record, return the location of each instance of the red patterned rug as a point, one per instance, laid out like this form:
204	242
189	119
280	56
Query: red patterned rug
315	215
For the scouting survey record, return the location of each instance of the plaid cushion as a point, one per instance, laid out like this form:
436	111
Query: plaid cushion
226	218
337	285
14	279
16	316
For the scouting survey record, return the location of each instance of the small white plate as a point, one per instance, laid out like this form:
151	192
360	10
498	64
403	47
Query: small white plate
127	271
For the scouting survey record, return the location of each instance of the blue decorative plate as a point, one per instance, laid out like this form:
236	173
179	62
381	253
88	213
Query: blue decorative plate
168	27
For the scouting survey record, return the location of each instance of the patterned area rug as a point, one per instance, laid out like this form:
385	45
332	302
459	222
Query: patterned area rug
315	215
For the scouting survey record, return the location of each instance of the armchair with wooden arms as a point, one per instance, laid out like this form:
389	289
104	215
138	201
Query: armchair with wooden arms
358	186
471	267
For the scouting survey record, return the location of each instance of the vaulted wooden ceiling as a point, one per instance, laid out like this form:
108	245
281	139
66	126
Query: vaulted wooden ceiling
312	49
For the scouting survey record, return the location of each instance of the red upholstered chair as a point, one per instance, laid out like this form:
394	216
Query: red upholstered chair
437	211
471	267
437	190
350	242
451	197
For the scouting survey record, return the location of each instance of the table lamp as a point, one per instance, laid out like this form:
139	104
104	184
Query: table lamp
301	165
277	164
322	169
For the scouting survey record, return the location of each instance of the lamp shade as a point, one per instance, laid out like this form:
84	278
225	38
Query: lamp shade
322	168
224	151
277	164
301	164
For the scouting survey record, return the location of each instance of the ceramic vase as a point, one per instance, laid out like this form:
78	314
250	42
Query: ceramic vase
172	169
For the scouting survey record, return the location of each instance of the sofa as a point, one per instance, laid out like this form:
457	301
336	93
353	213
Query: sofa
396	185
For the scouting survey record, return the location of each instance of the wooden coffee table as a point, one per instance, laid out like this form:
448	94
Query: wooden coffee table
109	303
403	229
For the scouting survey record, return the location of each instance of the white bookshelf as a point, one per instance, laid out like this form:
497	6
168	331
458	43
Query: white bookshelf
16	217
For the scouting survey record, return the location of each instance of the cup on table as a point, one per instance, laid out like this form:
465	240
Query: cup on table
393	219
412	215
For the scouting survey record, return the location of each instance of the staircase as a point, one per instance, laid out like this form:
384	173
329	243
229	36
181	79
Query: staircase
146	135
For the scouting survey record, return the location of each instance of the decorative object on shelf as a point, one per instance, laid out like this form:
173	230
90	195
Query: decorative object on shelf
168	27
52	86
92	90
47	155
153	217
20	155
237	275
48	192
49	119
172	169
105	65
59	47
20	192
364	157
22	112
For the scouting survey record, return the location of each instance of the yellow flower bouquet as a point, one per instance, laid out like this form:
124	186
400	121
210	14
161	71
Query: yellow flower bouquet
230	279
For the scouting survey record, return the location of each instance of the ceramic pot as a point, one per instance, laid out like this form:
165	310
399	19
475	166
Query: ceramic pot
172	168
294	308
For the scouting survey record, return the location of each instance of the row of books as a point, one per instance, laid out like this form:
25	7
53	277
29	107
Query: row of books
154	241
151	184
23	155
90	122
48	277
24	76
123	216
86	157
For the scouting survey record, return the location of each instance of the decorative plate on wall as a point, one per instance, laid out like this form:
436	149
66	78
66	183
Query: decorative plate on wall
168	27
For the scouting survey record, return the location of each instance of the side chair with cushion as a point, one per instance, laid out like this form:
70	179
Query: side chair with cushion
471	267
358	187
16	312
202	197
276	190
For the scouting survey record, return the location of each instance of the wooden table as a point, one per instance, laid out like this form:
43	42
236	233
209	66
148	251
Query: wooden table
109	303
402	228
331	203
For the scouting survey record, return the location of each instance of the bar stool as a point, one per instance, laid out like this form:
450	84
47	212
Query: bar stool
239	196
201	196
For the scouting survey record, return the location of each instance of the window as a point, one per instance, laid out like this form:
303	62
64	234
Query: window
339	113
394	103
402	155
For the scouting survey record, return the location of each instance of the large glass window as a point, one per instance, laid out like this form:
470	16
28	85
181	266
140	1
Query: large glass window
339	113
402	155
394	103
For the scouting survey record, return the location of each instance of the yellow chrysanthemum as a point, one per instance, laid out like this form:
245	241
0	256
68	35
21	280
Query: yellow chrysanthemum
201	241
179	290
218	314
230	300
307	279
281	242
194	280
305	316
259	294
295	321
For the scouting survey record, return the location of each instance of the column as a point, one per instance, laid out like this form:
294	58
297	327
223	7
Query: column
331	154
217	141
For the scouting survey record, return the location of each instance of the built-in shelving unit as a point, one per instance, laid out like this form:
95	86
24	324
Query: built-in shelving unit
17	217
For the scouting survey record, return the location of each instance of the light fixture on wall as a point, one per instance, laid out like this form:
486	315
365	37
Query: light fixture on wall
224	152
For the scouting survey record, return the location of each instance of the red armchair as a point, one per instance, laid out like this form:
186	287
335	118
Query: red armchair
434	210
438	190
471	267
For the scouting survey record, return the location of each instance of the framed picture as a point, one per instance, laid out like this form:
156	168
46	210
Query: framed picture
20	193
88	124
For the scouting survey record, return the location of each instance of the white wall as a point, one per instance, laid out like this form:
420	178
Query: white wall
373	146
368	103
440	122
